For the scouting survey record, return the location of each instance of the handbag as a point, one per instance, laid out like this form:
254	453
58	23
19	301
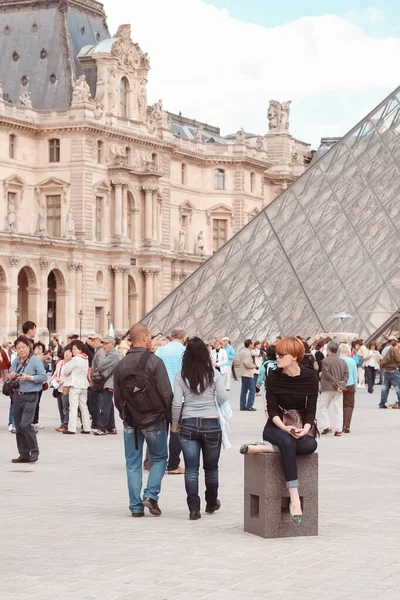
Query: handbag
295	418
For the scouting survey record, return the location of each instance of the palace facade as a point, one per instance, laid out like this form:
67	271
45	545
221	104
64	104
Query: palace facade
107	204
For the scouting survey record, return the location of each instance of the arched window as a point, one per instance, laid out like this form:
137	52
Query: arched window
124	98
11	145
183	174
219	179
100	152
54	150
252	182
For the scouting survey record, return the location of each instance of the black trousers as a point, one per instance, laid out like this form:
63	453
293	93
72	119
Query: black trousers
289	447
37	409
370	376
175	449
24	406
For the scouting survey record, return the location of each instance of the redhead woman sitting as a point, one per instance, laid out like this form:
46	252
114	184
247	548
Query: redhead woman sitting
289	388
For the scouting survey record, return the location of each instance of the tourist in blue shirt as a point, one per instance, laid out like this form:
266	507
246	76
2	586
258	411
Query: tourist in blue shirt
27	375
350	391
231	355
171	355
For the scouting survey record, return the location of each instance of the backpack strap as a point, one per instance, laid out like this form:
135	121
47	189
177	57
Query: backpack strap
143	360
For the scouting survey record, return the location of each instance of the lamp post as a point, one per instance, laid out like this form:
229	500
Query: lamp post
342	316
17	315
80	315
108	315
50	323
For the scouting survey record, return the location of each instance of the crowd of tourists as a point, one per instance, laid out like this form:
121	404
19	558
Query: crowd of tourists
171	392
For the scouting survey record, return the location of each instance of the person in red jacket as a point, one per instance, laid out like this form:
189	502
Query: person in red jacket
4	367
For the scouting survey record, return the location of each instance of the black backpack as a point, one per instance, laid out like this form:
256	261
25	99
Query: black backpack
142	404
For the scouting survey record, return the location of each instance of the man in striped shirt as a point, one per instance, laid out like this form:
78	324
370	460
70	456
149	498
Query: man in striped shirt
171	355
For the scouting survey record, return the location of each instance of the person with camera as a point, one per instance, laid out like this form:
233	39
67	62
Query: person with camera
25	381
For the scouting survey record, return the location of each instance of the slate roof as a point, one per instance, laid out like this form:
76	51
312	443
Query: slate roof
39	45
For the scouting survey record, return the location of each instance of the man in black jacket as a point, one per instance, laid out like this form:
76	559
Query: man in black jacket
155	435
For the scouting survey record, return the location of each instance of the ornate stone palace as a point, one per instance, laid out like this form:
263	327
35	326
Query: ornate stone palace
107	204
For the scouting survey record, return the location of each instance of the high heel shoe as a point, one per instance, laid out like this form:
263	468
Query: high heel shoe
245	448
296	518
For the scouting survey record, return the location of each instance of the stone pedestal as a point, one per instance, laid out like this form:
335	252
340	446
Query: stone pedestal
266	498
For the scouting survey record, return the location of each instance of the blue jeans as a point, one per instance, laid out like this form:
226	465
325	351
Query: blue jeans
156	438
203	435
248	385
390	378
105	419
11	415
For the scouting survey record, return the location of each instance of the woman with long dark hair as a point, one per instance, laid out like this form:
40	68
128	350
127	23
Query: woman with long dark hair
197	390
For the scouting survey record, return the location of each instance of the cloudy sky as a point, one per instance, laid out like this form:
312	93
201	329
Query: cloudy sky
221	61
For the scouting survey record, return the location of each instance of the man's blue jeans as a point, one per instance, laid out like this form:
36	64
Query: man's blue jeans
201	434
248	385
390	378
156	438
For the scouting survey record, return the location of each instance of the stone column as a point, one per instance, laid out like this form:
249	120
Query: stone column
124	211
12	295
125	288
78	289
148	289
118	297
137	228
44	264
148	215
72	311
154	216
118	210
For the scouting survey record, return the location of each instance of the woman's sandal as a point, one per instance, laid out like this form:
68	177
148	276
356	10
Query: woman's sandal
245	448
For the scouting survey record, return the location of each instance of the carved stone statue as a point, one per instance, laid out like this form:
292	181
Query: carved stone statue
70	227
297	157
182	239
200	243
111	89
129	55
11	217
117	154
278	115
240	137
142	100
24	99
260	145
98	109
198	134
157	118
81	92
41	222
285	111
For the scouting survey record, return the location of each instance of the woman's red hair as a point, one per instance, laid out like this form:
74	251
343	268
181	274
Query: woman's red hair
292	346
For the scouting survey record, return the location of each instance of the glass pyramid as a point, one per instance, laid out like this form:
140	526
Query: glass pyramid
328	244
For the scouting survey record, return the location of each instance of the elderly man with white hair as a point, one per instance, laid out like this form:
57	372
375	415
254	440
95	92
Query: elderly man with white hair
102	382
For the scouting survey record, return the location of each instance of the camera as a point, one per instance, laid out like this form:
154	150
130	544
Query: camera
14	384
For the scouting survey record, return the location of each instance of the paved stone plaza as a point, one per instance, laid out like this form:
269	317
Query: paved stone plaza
66	531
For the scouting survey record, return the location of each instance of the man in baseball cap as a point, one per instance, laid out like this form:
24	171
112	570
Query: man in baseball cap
102	383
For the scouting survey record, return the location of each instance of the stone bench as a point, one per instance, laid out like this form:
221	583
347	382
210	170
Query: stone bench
266	497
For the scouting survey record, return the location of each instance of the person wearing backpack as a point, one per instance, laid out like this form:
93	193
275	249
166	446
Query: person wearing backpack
143	397
102	382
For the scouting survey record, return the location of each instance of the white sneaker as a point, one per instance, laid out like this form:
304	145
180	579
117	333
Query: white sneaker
11	429
38	426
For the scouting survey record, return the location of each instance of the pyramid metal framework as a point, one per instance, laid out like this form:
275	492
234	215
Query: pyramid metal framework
329	243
